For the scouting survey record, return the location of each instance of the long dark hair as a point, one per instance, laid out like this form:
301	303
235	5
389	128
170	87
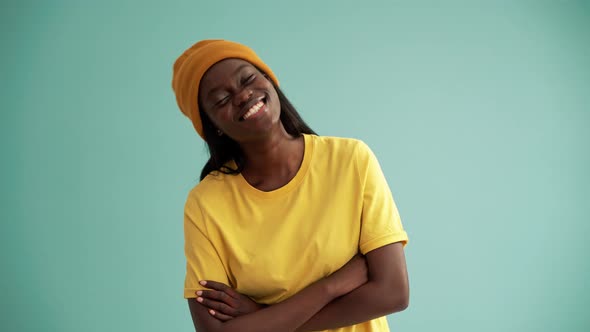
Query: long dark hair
223	149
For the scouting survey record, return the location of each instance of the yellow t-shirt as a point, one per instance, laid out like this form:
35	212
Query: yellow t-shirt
270	245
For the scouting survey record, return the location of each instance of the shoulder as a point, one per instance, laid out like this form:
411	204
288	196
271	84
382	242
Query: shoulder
342	155
339	145
339	149
209	189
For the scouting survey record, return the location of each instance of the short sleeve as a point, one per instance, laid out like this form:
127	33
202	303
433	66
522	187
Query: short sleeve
202	259
380	222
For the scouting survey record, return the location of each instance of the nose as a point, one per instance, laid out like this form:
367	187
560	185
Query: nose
242	97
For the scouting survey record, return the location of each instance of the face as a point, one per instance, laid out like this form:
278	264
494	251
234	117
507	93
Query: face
239	100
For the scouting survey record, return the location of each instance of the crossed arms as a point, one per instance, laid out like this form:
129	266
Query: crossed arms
365	288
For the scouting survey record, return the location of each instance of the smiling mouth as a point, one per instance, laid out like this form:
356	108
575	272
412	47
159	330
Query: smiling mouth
254	109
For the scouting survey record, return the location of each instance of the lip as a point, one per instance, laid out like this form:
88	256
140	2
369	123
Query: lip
249	104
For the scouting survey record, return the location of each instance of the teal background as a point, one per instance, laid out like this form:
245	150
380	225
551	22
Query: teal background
477	111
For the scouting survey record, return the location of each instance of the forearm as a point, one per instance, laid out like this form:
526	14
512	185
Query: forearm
367	302
284	316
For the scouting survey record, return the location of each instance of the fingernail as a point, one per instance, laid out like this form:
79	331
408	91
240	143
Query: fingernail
200	299
203	282
212	312
199	293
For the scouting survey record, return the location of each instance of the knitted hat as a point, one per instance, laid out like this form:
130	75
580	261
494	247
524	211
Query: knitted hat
190	67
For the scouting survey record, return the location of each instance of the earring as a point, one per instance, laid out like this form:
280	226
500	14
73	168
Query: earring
219	132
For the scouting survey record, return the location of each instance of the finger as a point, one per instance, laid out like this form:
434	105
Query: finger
219	307
214	285
220	287
218	296
220	316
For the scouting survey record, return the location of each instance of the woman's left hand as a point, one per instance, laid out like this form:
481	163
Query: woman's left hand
224	302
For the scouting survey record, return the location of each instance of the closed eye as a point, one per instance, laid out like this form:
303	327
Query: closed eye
222	101
249	79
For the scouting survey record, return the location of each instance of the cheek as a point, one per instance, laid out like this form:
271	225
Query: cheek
272	94
275	99
217	117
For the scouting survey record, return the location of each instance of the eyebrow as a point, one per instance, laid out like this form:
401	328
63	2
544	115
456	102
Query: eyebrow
242	66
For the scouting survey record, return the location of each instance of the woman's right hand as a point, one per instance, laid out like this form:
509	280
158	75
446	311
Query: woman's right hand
224	302
349	277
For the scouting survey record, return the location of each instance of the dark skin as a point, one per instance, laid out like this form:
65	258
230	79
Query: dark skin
290	314
366	287
386	291
227	91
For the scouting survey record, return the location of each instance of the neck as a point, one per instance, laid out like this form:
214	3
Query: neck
277	152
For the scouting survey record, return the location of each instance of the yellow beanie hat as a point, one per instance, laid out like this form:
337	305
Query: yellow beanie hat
190	67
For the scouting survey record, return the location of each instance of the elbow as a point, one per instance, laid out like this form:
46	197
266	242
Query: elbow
397	303
402	303
399	300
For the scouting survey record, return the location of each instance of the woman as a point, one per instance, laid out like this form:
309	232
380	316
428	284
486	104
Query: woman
287	230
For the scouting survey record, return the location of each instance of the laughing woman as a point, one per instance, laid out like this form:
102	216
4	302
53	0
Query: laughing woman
287	230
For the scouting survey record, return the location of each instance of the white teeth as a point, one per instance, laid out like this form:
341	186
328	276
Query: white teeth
254	109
